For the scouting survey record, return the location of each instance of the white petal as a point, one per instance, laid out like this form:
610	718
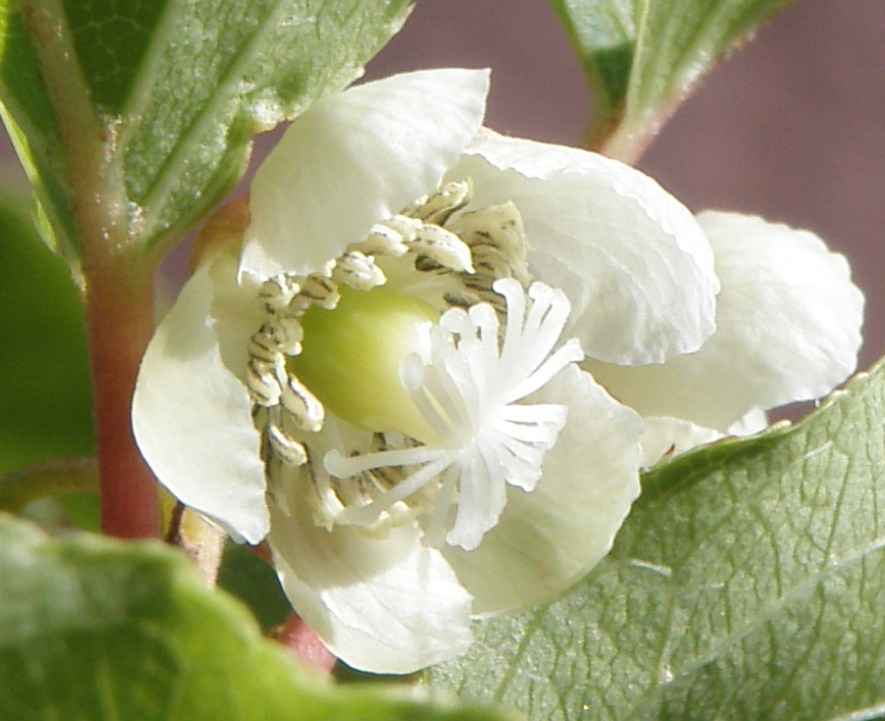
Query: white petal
236	312
355	158
753	421
192	420
550	537
788	323
633	261
382	605
666	437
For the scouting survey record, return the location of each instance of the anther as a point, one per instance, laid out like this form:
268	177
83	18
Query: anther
263	345
358	271
276	293
316	289
496	238
263	384
286	448
437	207
287	333
443	247
388	237
305	411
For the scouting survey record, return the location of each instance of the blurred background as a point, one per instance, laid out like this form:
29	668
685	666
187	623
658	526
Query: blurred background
791	127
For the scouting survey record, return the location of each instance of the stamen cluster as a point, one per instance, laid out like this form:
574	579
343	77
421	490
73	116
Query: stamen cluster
469	387
464	386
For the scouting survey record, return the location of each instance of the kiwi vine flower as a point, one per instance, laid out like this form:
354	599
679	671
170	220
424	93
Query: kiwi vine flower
392	378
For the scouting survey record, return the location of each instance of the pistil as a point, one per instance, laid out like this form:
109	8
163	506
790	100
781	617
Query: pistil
432	402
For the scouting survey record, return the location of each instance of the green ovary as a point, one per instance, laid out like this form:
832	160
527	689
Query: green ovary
351	357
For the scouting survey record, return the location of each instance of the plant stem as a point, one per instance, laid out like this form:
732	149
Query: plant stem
119	320
68	475
617	134
304	644
115	275
614	140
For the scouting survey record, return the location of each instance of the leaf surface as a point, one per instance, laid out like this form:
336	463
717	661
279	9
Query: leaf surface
44	385
747	583
642	57
150	106
96	629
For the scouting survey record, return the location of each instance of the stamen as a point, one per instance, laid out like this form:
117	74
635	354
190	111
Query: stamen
358	271
276	293
317	289
459	397
388	238
262	382
496	239
438	207
468	395
302	405
287	334
263	345
342	466
286	448
443	247
366	515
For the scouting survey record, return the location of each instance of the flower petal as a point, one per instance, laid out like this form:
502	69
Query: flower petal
383	605
753	421
548	538
192	419
665	437
788	329
356	158
633	261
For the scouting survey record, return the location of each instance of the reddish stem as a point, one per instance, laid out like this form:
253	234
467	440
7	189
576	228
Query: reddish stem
115	275
304	644
119	320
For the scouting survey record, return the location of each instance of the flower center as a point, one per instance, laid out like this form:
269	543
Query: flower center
471	387
431	421
351	355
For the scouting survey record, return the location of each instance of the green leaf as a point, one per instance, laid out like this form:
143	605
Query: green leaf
149	106
44	385
747	583
253	580
642	57
603	34
96	629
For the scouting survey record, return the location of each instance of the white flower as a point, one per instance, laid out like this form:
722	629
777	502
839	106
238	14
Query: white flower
788	329
381	384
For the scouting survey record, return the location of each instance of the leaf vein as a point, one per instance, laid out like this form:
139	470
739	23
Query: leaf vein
169	173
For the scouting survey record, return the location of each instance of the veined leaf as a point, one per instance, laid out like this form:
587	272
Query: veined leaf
148	106
96	629
642	57
747	583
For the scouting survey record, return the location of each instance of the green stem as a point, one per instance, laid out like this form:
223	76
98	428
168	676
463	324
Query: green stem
612	138
69	475
619	134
